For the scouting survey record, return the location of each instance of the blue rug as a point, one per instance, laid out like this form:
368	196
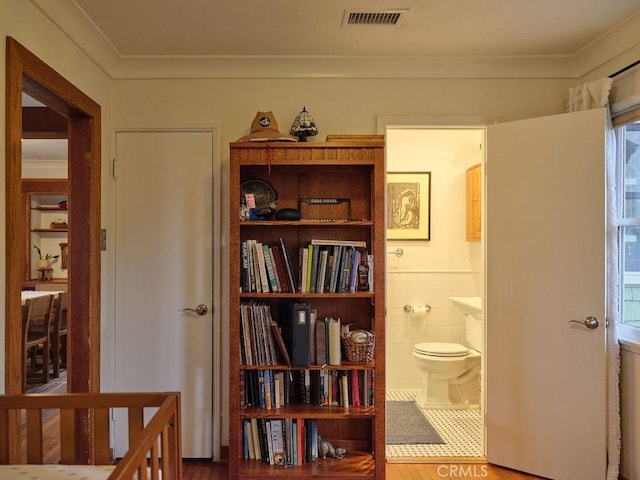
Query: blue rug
407	425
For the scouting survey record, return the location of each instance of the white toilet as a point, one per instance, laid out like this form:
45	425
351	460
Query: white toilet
451	371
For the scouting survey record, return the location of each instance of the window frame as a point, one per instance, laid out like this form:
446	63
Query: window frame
626	332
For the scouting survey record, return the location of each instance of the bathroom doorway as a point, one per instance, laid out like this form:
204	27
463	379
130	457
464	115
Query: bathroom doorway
422	277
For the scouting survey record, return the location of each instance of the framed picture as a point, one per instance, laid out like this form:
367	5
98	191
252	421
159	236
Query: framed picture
409	206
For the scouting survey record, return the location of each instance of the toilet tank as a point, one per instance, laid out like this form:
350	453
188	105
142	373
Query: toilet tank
474	331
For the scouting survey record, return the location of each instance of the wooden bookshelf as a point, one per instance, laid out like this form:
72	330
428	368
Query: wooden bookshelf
352	170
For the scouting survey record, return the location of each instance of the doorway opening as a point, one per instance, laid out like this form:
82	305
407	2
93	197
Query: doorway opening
27	75
424	280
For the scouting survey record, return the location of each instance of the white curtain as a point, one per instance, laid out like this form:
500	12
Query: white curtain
583	97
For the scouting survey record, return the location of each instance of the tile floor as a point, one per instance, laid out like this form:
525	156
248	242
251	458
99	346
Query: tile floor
460	429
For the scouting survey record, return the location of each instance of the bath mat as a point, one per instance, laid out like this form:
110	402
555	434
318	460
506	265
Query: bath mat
407	425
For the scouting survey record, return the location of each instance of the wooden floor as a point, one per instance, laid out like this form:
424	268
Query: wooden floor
203	470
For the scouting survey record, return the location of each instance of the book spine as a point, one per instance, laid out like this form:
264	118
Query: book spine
354	271
245	284
288	266
346	243
322	271
264	279
314	268
273	284
280	268
334	342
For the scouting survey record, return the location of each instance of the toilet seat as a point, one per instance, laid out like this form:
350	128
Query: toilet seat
441	349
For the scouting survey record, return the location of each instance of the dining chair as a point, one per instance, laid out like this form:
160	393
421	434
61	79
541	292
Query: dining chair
36	333
59	333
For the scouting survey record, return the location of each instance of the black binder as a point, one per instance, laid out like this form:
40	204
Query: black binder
295	322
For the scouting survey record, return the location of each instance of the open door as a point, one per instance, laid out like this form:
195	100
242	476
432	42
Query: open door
546	393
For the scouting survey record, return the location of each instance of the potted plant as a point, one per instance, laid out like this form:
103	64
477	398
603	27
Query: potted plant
45	260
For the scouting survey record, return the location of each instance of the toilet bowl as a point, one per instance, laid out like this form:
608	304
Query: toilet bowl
450	375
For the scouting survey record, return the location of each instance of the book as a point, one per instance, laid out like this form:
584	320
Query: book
344	390
288	265
335	268
280	267
277	441
322	270
304	258
345	269
355	265
355	387
256	439
309	265
312	334
370	272
262	268
295	321
347	243
334	334
313	279
273	285
279	341
321	356
274	267
245	283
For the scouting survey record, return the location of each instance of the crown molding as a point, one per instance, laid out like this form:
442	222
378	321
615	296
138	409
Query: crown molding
343	67
70	19
613	50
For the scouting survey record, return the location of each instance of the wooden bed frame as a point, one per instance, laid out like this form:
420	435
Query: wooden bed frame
154	446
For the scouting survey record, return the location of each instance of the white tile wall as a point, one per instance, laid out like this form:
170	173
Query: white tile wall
443	323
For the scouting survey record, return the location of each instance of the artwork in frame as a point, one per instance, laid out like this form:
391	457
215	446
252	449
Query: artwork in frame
408	205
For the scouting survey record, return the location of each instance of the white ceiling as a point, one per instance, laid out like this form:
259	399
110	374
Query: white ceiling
304	28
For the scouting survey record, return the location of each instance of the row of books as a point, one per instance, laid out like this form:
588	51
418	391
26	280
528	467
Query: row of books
326	266
297	338
280	441
270	389
266	268
257	345
335	267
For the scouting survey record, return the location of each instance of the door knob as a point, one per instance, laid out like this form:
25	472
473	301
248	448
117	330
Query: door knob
589	322
200	309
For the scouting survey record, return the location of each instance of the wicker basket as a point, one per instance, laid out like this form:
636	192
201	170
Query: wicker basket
358	350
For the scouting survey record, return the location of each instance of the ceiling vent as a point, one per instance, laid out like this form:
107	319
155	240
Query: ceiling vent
391	17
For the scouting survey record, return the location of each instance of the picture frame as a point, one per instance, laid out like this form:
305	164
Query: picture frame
408	205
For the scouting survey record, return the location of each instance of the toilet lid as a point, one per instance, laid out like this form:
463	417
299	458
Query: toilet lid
442	349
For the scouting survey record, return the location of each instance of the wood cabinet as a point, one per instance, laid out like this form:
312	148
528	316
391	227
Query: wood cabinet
46	227
474	203
338	188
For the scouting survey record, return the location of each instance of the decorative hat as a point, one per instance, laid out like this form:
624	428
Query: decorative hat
264	128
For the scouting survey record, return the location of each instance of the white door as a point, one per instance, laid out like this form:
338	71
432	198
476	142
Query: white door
546	389
164	263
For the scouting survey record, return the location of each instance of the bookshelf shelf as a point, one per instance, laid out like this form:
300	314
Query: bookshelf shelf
343	366
358	465
342	403
305	411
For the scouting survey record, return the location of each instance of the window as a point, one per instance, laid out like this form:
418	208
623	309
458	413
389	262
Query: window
628	221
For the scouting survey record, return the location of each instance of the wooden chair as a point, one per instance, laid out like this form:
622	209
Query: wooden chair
36	322
59	333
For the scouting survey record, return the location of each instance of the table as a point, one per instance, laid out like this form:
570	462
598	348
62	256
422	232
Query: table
28	294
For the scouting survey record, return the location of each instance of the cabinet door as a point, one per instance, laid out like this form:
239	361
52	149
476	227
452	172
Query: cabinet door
474	203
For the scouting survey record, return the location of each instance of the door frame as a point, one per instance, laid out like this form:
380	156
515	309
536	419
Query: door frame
26	73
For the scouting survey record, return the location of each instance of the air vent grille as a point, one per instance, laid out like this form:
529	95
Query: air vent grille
381	17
